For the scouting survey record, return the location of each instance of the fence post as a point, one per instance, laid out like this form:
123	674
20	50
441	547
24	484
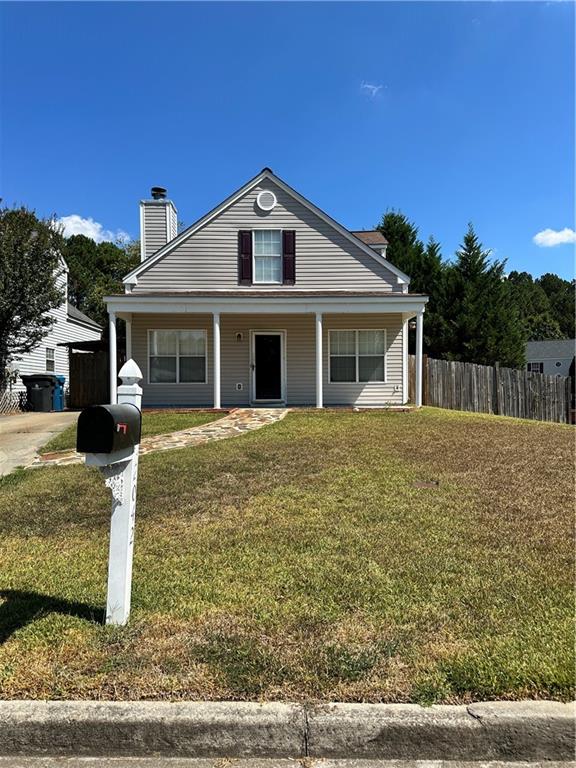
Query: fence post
496	385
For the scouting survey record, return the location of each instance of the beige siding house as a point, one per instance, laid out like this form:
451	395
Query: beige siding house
265	300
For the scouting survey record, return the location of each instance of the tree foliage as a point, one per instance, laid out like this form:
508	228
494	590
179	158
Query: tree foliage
29	268
475	312
96	270
426	269
483	325
562	295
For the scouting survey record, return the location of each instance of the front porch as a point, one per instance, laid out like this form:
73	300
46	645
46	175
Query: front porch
244	351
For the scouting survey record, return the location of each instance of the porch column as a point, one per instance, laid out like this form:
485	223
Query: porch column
128	321
216	329
319	397
113	356
405	362
419	340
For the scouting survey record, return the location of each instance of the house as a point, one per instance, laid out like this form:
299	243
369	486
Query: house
553	357
51	355
265	300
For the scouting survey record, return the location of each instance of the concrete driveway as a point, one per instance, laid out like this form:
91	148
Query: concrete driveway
22	434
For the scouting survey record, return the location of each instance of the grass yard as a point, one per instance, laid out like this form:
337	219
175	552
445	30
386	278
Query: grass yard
154	423
304	561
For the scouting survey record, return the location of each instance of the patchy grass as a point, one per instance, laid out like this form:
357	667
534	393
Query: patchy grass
155	423
301	562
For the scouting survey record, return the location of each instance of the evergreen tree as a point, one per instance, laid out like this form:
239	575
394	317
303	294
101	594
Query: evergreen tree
533	307
426	270
562	296
482	322
405	249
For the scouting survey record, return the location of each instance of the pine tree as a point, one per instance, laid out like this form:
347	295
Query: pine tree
534	308
562	295
483	325
405	249
426	270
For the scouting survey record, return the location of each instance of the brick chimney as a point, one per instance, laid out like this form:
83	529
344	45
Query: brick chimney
158	222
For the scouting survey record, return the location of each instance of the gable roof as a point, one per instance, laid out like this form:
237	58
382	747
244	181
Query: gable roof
550	349
75	316
265	174
370	236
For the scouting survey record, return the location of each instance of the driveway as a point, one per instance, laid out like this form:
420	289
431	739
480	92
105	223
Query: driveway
22	434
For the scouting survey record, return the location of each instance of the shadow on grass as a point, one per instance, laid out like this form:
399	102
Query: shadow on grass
19	608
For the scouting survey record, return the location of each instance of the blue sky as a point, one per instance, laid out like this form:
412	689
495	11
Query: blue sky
450	112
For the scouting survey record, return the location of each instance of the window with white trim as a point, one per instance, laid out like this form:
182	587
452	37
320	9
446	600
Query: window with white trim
177	357
267	255
536	367
357	356
50	359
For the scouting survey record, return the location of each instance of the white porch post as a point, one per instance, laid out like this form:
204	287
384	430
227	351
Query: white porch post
419	342
405	362
112	356
216	329
319	382
128	320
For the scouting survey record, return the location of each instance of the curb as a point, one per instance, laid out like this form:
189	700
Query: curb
512	731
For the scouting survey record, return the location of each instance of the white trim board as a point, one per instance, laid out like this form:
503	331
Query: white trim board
132	277
395	303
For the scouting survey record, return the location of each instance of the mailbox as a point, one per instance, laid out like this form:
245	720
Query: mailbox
108	428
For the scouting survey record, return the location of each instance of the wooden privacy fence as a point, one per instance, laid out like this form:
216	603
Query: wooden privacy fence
88	379
491	389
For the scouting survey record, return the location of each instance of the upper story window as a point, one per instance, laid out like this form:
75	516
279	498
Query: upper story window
267	256
536	367
50	359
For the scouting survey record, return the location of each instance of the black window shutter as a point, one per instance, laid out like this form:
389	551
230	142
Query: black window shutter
245	257
288	257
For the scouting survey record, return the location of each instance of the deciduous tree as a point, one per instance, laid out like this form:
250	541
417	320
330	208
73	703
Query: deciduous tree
29	268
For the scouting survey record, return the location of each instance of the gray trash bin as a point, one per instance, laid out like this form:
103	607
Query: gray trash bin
39	391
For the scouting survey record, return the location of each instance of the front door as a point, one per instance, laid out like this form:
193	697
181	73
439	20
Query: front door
267	366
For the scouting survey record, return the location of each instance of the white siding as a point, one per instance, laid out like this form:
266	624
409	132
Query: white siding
300	359
209	259
62	331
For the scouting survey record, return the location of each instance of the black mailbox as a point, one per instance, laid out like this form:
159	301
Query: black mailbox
108	428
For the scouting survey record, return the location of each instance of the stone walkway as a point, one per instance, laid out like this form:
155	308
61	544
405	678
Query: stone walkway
234	423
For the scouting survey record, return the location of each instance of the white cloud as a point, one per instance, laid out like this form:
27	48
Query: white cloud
370	89
77	225
551	237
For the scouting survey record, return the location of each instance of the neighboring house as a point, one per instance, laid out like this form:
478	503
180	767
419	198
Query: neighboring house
553	357
265	300
49	356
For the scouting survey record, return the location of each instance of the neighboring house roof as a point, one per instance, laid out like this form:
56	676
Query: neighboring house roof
370	236
551	349
266	173
75	316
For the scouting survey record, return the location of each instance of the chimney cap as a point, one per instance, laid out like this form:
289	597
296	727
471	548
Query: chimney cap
158	193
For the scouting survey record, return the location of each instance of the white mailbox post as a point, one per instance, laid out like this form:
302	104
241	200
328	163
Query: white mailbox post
120	470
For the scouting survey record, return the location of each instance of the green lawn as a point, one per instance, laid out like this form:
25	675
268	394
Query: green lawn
303	562
154	423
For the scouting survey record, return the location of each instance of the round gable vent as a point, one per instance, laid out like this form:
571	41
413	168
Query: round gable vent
266	200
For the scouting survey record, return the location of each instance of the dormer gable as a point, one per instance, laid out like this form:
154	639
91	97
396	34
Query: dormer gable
266	234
